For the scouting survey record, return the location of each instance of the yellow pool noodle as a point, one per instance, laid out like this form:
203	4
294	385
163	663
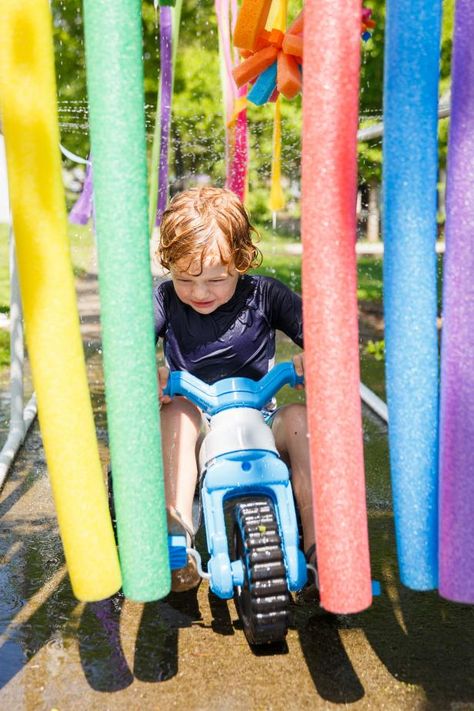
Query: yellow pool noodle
28	109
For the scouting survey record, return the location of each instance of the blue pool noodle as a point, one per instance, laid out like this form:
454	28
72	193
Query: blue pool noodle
264	87
410	150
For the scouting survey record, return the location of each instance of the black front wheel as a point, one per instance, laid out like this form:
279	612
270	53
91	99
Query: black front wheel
263	600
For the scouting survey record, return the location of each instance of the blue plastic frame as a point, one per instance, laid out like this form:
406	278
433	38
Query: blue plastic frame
241	473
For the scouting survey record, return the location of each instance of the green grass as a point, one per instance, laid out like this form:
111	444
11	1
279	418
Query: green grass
369	279
283	265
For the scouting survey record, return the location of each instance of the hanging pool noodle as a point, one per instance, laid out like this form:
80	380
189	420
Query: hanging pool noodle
155	167
409	209
329	173
28	107
238	170
166	80
457	360
83	207
117	125
235	127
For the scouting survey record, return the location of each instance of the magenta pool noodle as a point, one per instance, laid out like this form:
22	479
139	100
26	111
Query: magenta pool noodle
456	541
410	164
117	124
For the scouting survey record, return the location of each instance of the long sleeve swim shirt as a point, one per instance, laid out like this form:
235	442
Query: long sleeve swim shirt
237	339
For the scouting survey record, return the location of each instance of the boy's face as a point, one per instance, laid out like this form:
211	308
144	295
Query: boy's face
205	292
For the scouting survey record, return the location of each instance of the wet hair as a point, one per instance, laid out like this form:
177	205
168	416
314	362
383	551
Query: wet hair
207	222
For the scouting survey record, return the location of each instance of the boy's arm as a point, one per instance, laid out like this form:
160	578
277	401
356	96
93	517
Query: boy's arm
159	311
285	310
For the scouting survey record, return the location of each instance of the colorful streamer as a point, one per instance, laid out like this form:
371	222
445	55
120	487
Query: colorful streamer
30	124
117	126
410	148
457	358
277	197
331	93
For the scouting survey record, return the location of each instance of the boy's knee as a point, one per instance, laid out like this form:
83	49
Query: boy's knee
294	419
182	407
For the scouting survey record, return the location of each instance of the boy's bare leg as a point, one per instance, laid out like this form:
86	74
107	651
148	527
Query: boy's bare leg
291	437
181	424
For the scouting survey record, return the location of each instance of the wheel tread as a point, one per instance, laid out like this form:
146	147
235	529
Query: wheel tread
263	602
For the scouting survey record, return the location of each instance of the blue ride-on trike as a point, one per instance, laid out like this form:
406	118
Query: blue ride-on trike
258	562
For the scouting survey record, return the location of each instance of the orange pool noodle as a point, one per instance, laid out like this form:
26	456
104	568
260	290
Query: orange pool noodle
250	23
293	44
262	41
276	38
288	76
254	65
296	27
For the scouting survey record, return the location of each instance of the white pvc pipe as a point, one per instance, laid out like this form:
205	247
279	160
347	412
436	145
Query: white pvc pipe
374	402
17	348
15	439
20	420
73	156
366	134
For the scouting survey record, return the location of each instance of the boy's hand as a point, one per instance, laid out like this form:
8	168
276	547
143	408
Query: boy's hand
298	362
163	375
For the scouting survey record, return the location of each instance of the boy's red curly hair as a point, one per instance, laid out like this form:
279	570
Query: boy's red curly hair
206	222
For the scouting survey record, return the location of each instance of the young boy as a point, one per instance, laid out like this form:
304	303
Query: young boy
217	321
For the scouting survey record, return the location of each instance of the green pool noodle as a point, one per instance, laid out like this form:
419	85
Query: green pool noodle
114	66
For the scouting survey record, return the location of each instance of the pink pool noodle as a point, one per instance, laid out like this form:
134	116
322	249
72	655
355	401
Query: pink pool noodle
456	543
329	170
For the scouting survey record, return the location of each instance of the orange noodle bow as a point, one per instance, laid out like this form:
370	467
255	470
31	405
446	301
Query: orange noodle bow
284	48
267	54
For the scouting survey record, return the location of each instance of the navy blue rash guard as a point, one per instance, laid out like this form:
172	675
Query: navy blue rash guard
237	339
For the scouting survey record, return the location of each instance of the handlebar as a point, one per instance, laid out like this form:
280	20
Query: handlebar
232	392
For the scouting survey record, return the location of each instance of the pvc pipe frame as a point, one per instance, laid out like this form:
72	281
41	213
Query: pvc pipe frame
20	420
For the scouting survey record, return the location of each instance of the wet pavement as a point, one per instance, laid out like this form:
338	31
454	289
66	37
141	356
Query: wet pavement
408	651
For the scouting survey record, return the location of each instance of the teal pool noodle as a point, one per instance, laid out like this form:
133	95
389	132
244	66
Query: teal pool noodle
410	164
117	127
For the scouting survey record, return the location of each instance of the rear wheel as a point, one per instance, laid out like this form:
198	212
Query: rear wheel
263	600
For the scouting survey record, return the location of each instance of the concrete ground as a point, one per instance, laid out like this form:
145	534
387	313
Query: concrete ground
408	651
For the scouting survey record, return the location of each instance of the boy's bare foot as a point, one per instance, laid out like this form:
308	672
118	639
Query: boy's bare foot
186	578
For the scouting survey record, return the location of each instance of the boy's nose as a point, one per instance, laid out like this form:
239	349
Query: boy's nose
199	290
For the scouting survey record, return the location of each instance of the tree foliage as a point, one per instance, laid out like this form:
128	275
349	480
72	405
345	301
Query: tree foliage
197	139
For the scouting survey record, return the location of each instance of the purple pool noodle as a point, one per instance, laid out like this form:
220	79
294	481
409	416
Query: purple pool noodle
457	353
83	207
166	84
